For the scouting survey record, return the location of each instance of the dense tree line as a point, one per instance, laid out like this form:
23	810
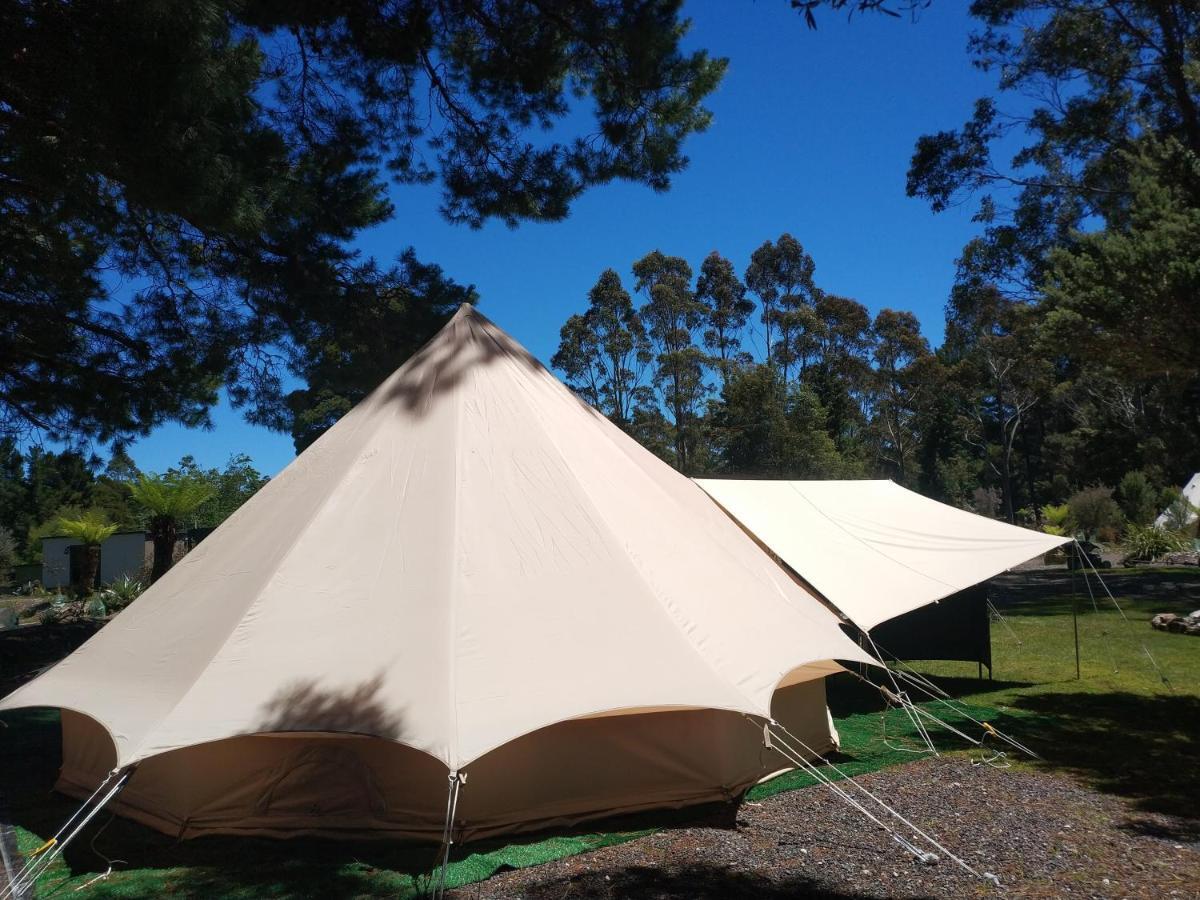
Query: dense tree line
762	372
1072	341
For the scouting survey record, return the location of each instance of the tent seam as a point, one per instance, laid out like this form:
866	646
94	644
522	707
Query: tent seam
611	533
255	601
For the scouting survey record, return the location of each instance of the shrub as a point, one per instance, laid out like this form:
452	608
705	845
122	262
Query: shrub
1179	511
1150	542
1137	498
8	553
1094	508
1056	519
122	592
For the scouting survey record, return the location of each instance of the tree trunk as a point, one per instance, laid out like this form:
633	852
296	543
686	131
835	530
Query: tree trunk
87	571
163	534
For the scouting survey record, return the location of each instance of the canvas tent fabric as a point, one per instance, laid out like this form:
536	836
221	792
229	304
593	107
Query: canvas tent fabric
873	549
472	571
1191	491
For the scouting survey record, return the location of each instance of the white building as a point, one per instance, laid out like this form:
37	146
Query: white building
125	553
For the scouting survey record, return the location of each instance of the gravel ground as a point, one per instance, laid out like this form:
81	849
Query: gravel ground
1043	835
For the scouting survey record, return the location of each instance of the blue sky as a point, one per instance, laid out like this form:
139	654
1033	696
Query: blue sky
812	133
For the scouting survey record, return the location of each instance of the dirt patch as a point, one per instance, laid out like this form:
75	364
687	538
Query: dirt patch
1042	835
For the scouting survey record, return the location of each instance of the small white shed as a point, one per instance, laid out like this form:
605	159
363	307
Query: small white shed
125	553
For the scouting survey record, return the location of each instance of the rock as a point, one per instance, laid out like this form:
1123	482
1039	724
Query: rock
1189	624
1163	621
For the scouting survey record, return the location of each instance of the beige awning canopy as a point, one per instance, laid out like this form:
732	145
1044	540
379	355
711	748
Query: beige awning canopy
875	550
470	555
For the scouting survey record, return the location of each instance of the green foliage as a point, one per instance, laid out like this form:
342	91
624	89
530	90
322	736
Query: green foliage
8	553
172	496
761	430
1093	509
378	324
781	275
122	592
671	315
1137	498
1092	224
605	353
1180	512
89	529
1056	520
229	193
726	309
1149	542
228	488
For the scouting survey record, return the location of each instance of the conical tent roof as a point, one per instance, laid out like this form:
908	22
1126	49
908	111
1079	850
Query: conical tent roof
470	555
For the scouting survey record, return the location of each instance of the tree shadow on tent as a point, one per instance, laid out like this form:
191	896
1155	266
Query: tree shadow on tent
445	365
1145	749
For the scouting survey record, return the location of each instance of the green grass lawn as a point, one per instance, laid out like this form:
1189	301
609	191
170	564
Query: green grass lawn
1117	728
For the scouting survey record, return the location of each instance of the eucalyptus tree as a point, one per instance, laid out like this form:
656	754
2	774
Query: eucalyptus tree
897	389
672	315
726	310
605	352
780	274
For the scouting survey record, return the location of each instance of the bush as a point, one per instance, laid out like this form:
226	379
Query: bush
8	554
1150	542
122	592
1056	520
1094	508
1179	510
1137	498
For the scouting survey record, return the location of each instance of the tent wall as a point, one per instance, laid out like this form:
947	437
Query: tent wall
956	628
358	787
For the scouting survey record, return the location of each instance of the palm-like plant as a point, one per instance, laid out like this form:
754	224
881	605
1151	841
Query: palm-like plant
91	530
168	499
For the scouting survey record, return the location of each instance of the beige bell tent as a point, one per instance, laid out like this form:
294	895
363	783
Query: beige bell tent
878	551
472	572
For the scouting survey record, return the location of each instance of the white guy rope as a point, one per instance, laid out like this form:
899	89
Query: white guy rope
932	841
44	862
1003	621
916	720
33	857
773	742
1150	656
934	692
